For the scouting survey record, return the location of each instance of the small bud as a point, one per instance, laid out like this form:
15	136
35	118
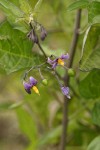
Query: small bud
66	91
71	72
32	36
43	33
44	82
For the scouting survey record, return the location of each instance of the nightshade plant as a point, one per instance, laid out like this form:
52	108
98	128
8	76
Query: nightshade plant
32	35
25	42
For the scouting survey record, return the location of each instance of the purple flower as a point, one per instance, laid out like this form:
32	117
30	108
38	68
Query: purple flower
58	61
65	91
31	85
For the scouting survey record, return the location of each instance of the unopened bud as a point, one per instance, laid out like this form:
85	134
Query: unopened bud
71	72
32	36
43	33
44	82
35	37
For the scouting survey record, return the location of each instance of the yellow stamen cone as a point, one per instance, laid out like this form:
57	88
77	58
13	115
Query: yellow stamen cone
60	62
36	90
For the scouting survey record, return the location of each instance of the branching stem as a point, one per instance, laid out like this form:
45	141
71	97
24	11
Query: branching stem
66	80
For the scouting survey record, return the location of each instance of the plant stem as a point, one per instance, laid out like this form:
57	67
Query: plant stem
38	43
33	67
67	79
40	47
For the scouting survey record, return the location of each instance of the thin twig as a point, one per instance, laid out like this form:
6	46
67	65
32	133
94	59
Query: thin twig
38	43
40	47
40	74
66	80
33	67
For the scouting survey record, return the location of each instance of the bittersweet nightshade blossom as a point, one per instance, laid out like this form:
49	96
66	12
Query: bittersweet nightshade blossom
65	91
58	61
31	85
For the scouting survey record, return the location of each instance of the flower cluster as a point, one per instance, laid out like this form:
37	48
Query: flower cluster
53	63
31	84
34	37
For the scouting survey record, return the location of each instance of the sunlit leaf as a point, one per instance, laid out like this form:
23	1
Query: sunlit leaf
16	50
11	7
37	6
95	144
14	15
25	7
91	49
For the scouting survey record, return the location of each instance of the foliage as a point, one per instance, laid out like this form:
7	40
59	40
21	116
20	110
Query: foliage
95	114
18	49
90	87
95	144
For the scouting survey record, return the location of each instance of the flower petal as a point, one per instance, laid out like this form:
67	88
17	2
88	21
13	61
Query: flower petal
65	56
33	81
51	61
54	65
27	87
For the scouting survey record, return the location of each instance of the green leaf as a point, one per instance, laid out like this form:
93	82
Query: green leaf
12	8
90	86
78	4
25	6
33	3
16	50
27	124
50	137
93	12
91	49
14	15
96	114
95	144
37	6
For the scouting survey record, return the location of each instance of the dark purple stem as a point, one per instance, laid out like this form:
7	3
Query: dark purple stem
67	79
